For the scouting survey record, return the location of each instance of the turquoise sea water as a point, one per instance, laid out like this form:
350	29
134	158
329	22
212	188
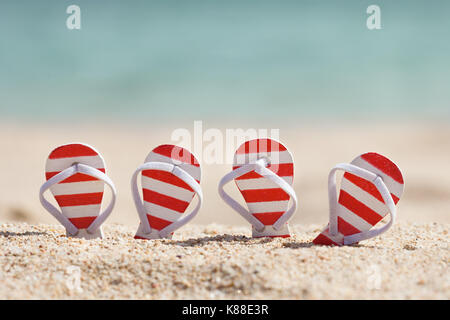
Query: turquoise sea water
196	59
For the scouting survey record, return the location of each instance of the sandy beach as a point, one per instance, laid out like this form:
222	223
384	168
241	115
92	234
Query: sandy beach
213	258
222	262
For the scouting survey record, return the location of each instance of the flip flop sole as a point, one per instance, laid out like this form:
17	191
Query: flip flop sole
265	200
166	197
79	196
360	205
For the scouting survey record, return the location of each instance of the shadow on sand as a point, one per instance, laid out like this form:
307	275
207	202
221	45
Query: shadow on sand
21	234
194	242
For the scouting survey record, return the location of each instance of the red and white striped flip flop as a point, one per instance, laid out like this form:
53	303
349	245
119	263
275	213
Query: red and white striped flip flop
75	175
370	189
263	170
170	179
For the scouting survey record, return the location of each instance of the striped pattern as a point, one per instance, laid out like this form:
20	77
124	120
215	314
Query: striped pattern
360	205
79	196
265	200
166	197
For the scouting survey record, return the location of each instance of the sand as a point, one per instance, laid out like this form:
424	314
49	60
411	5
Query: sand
411	261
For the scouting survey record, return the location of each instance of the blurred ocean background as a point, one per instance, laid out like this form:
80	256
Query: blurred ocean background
200	59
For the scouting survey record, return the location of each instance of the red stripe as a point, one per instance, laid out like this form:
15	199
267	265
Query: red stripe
165	201
384	164
77	177
263	195
157	223
322	239
368	186
82	199
346	228
343	226
359	208
167	177
282	170
268	218
176	153
72	150
260	145
82	223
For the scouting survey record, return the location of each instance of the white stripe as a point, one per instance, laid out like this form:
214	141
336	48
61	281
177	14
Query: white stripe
275	157
260	183
91	210
356	221
161	212
393	186
364	197
167	189
269	206
77	187
54	165
192	170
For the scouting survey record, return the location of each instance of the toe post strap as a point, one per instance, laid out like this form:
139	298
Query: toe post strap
279	227
145	231
333	202
94	229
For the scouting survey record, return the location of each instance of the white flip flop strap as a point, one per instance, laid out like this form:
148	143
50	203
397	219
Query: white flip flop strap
178	172
333	202
260	168
77	168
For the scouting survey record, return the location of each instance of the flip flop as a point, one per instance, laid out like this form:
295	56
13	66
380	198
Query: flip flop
370	189
75	174
170	179
263	170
